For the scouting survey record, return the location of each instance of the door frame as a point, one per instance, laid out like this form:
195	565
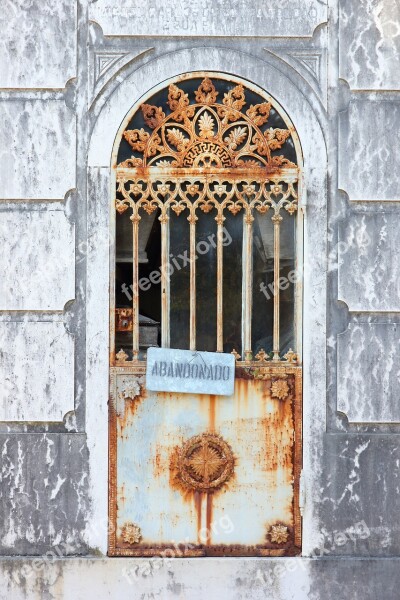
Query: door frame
308	116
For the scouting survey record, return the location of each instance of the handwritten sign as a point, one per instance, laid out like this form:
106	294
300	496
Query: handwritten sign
187	371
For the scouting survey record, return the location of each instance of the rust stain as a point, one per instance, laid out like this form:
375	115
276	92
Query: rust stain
243	373
209	512
158	462
271	427
198	501
175	480
131	405
211	423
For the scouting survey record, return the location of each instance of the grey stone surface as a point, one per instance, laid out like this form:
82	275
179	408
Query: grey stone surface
368	373
40	271
369	266
107	65
37	156
38	43
36	370
369	34
43	494
311	64
209	18
197	579
97	345
368	153
359	496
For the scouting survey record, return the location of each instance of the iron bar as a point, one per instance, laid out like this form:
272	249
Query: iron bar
135	218
220	284
247	280
192	330
276	219
165	279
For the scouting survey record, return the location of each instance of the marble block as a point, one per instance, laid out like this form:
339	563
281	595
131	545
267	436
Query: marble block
38	43
369	154
39	273
37	149
369	38
36	371
369	266
368	373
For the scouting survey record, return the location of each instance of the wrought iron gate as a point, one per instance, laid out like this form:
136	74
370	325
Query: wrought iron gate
192	474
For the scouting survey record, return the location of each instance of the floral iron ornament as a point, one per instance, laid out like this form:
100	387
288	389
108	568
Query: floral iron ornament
207	131
279	534
279	389
131	533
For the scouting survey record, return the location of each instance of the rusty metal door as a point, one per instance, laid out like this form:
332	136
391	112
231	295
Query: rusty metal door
197	474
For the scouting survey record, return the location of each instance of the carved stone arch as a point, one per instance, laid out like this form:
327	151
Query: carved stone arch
305	114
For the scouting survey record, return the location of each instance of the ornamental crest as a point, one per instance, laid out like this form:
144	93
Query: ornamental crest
208	128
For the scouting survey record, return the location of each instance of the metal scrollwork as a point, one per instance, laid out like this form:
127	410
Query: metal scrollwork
207	133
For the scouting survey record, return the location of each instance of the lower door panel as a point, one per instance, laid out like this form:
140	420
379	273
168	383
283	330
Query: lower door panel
195	475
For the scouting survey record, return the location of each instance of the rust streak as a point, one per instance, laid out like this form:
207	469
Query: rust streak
209	511
212	413
198	498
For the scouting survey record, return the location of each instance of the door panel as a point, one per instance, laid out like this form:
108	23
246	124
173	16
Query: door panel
208	184
162	443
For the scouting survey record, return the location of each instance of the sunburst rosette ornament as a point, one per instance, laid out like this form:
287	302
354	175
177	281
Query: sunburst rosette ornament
205	462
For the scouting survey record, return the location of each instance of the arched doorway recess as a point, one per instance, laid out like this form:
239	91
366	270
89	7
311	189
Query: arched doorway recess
208	253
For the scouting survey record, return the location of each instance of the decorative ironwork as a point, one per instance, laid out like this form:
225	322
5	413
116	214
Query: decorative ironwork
279	534
121	356
279	389
208	150
206	192
262	356
207	132
205	462
236	354
131	533
290	356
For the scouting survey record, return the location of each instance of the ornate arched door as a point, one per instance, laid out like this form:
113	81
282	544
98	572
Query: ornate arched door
207	258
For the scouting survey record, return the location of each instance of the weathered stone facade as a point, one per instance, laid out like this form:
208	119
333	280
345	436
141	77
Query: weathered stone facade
71	70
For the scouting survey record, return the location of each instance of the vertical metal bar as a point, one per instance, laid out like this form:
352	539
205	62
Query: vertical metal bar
247	281
276	219
135	285
299	223
220	284
165	280
192	220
